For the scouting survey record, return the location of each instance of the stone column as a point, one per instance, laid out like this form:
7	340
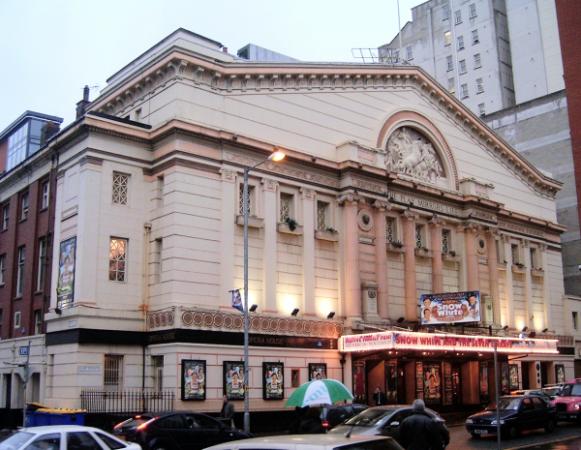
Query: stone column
351	257
529	311
269	251
493	275
437	265
546	288
472	282
409	245
508	283
461	251
308	251
381	259
228	213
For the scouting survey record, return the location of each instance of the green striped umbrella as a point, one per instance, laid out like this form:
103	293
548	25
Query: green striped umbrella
319	392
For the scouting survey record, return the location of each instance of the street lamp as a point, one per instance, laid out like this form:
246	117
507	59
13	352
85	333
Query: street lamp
275	156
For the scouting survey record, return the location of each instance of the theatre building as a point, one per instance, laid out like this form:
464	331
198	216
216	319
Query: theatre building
390	190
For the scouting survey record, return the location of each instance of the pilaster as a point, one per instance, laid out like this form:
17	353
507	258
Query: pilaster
437	265
350	260
409	243
546	289
308	251
381	258
472	281
493	274
509	294
269	188
228	232
528	285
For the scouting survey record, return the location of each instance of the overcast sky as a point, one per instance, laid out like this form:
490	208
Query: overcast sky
50	49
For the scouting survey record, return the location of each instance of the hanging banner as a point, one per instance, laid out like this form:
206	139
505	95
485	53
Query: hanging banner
409	340
450	307
66	277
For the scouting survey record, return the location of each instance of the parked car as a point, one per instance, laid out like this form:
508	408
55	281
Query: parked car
64	437
312	442
552	390
320	419
538	392
568	402
128	428
385	420
179	431
517	413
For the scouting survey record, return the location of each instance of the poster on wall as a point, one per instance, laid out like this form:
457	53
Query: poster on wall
449	307
234	385
448	396
484	392
559	373
419	380
272	381
193	379
504	380
317	371
513	377
432	383
66	276
359	393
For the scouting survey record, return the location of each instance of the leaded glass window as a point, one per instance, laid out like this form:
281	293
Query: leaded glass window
390	231
118	259
286	207
446	247
322	215
251	202
113	372
120	185
419	236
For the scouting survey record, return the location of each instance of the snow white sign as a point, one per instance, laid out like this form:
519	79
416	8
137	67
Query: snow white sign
450	307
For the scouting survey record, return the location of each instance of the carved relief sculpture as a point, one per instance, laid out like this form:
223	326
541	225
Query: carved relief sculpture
410	153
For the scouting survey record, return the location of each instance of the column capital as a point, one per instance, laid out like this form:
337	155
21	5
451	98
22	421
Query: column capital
436	222
349	198
470	227
269	185
409	215
526	243
505	238
493	232
228	175
382	205
307	193
542	247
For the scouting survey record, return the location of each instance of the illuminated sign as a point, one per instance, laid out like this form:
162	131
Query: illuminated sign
450	307
407	340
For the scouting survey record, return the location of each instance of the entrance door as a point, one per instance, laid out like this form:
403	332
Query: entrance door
391	381
456	385
7	393
525	367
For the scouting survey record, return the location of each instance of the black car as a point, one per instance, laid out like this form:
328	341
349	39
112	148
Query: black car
517	413
177	431
385	420
320	419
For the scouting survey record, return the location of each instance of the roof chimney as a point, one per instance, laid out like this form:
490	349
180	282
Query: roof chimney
84	103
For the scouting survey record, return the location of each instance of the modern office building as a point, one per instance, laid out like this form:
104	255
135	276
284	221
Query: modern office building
391	189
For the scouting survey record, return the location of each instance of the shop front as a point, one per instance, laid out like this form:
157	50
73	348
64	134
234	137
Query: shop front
445	370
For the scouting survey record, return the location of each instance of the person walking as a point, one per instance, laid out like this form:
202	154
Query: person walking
419	431
379	397
227	412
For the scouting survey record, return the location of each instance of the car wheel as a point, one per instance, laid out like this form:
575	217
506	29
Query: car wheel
550	426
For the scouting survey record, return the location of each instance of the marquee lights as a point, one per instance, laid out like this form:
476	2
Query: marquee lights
402	340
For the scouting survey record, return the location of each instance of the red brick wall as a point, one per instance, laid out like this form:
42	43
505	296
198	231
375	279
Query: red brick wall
568	17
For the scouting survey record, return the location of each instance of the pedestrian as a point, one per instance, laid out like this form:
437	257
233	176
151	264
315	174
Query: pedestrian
420	431
379	397
227	412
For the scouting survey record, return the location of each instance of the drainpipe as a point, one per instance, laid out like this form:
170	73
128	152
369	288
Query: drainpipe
145	305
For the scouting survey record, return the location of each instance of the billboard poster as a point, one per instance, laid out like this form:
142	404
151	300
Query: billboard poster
193	379
432	383
450	307
317	371
66	276
234	386
273	384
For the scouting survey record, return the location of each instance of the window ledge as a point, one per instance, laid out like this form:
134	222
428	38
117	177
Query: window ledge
253	221
396	248
449	257
284	228
324	235
537	272
423	252
518	269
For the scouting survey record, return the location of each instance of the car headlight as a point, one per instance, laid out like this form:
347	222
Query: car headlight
494	422
577	406
469	421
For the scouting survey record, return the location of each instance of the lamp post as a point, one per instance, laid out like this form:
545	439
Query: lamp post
274	156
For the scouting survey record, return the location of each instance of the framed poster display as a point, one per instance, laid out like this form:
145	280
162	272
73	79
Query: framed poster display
559	373
66	274
272	380
234	383
358	371
513	377
317	371
504	380
419	380
432	383
295	378
193	379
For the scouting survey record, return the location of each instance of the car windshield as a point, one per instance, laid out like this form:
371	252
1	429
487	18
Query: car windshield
505	404
368	418
571	390
15	441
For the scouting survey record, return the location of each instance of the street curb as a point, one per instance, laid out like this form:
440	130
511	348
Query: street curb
555	441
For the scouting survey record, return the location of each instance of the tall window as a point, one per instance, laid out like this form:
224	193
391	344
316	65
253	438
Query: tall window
477	61
2	270
457	17
120	186
158	260
475	38
449	63
472	10
157	367
390	229
41	269
460	41
17	143
251	200
286	206
118	259
37	321
323	215
464	90
462	66
451	85
409	52
479	86
574	319
5	216
113	372
482	109
514	251
20	271
44	194
446	241
17	319
535	264
24	204
447	38
420	240
160	191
